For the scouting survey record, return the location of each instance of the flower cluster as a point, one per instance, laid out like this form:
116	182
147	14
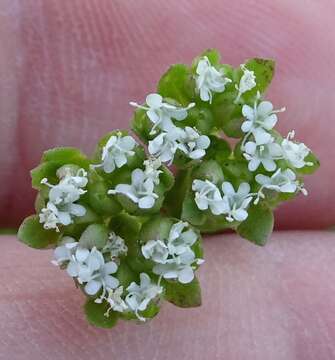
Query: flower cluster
173	256
61	207
125	226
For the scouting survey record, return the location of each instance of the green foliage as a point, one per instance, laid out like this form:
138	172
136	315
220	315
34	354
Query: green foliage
94	235
95	314
183	295
32	233
258	225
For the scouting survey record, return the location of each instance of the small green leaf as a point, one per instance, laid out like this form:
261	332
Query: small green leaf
209	170
183	295
44	170
155	228
66	155
175	197
190	211
95	314
141	125
219	149
32	233
258	225
264	71
177	84
94	235
98	198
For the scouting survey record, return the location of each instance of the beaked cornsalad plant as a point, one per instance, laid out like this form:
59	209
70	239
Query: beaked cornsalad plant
127	229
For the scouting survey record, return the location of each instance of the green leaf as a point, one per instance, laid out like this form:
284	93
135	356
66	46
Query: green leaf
213	56
190	211
98	198
141	125
125	274
175	197
219	149
155	228
264	71
94	235
95	314
258	226
177	84
183	295
66	155
32	233
209	170
44	170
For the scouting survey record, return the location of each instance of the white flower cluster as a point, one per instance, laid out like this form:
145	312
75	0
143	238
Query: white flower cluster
141	189
208	79
89	268
171	138
116	152
247	82
263	149
173	257
61	207
231	203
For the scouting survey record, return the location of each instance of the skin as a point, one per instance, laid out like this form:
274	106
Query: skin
67	72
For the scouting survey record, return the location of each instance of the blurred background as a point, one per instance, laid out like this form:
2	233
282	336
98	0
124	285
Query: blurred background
68	69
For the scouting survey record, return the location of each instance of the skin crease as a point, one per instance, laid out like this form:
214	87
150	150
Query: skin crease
67	72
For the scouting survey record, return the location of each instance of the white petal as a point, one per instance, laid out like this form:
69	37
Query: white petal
92	287
243	189
248	112
111	281
228	188
253	164
186	275
154	100
269	164
240	215
146	202
82	254
110	267
264	108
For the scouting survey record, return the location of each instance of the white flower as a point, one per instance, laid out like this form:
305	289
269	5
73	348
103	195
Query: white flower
179	267
64	252
207	196
61	208
115	246
115	301
247	82
235	203
165	145
264	154
52	215
139	296
295	153
259	120
140	191
151	169
281	181
180	240
116	152
161	113
193	144
93	271
209	80
155	250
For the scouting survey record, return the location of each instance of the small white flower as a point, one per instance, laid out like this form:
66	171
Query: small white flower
259	120
179	267
209	80
156	250
236	203
165	145
179	239
115	301
284	181
139	296
64	252
93	271
151	169
115	246
161	113
295	153
207	196
264	154
116	152
193	144
52	215
247	82
61	208
140	191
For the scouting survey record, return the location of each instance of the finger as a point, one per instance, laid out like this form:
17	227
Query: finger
78	64
258	303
